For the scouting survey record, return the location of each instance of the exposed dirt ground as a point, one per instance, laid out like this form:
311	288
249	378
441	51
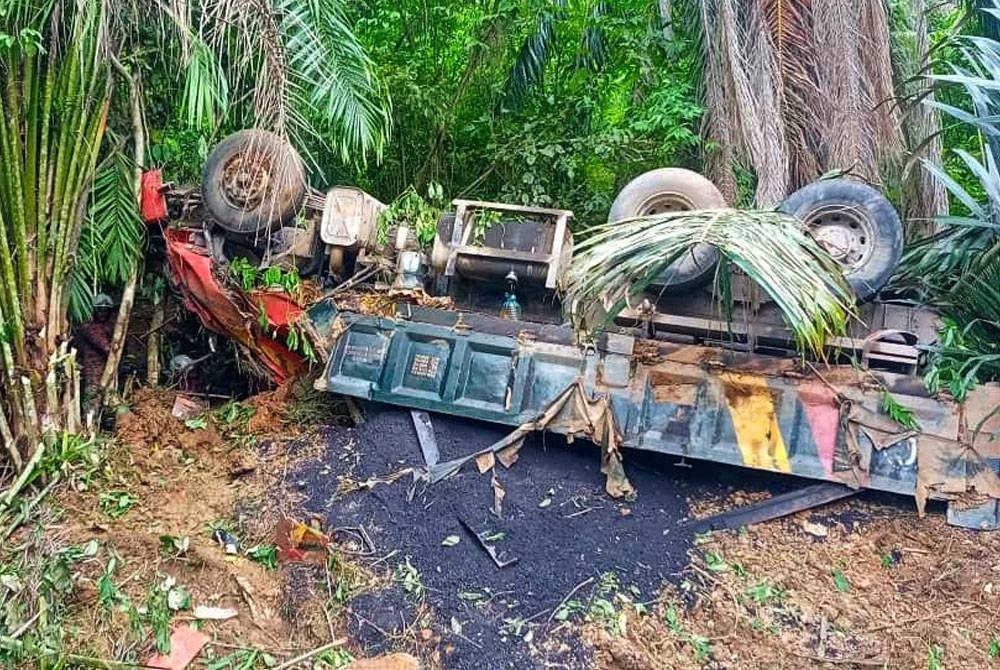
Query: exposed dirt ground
598	582
882	588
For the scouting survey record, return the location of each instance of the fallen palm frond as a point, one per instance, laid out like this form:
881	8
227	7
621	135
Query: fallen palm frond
621	259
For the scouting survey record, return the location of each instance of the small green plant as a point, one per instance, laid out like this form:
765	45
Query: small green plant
244	273
895	411
763	593
265	554
199	422
407	575
242	659
701	646
157	615
116	504
887	561
716	563
335	658
994	651
411	210
483	221
171	545
672	620
840	581
233	413
935	657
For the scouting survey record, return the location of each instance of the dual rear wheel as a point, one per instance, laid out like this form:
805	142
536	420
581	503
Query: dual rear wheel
852	221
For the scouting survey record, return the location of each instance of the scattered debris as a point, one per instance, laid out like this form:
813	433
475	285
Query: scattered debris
227	541
450	541
498	496
776	507
185	645
246	592
486	462
397	661
484	539
214	613
815	529
186	407
425	436
301	543
547	500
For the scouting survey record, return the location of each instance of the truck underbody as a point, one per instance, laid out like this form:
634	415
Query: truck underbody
670	376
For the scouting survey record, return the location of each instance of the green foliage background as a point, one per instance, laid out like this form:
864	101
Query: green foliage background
614	99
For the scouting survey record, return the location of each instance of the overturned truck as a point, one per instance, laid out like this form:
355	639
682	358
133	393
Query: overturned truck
474	328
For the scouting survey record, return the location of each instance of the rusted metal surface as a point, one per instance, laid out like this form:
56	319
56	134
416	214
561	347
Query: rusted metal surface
761	412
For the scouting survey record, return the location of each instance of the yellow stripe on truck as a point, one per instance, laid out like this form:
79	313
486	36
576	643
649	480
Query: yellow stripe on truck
751	406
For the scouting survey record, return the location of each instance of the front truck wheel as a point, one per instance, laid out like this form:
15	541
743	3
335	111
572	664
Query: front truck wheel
856	225
254	181
673	190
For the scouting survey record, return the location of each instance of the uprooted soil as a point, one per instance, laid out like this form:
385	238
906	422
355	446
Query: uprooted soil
185	481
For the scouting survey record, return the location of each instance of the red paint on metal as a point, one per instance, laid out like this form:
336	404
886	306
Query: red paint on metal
153	205
823	415
231	312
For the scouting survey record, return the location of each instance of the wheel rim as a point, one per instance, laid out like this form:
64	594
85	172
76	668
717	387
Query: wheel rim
698	259
664	203
844	233
245	179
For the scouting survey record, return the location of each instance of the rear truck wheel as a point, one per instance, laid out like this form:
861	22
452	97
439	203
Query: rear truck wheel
673	190
254	181
856	225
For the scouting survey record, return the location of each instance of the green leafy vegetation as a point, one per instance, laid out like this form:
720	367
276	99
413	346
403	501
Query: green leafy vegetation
531	102
116	504
619	260
901	415
249	277
840	580
265	554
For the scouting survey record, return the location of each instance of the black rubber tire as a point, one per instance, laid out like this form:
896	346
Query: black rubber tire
275	204
673	189
869	213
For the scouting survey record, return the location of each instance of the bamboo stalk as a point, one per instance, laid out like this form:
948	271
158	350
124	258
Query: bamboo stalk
45	179
52	418
9	443
31	423
22	479
14	114
71	393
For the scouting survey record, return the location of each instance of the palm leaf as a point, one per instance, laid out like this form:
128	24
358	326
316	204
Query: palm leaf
205	99
308	76
329	73
533	56
119	235
621	259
